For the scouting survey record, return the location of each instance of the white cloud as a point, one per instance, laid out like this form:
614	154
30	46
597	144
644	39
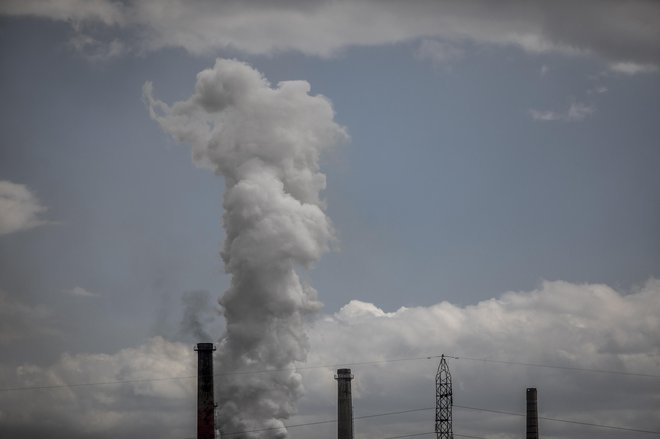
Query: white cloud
563	324
630	68
80	292
599	89
620	32
576	112
19	208
438	52
587	326
96	50
163	406
545	115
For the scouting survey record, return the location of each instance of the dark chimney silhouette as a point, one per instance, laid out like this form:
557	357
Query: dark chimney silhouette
532	414
344	404
205	402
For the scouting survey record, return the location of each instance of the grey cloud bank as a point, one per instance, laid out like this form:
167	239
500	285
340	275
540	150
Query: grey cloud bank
625	34
102	411
586	326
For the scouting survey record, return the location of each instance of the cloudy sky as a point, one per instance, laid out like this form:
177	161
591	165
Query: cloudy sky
478	179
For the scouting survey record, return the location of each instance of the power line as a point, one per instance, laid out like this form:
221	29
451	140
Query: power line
330	421
579	369
96	383
329	366
238	372
501	412
393	413
397	437
432	432
611	427
567	421
410	435
257	430
323	366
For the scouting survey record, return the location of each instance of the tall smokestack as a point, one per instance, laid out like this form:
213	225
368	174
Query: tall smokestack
532	414
205	403
344	404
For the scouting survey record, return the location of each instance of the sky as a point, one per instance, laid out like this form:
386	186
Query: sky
317	184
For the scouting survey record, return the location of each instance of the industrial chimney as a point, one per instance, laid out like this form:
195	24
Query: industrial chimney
532	414
344	404
205	403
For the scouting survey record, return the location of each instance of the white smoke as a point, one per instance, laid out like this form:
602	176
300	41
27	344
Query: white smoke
19	208
198	314
266	143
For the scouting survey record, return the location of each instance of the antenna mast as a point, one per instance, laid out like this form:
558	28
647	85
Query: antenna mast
443	401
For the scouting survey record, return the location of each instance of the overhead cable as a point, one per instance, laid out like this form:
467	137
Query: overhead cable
335	365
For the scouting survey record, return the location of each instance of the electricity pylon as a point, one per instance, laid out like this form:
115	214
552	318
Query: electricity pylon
443	401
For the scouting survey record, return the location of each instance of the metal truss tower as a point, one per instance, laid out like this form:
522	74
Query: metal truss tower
443	401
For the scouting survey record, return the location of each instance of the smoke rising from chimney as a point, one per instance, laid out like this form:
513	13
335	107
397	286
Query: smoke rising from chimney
198	312
266	143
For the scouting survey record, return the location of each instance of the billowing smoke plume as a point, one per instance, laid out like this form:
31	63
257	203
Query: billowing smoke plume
266	143
197	314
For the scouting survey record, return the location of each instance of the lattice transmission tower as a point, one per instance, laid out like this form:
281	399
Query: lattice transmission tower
443	401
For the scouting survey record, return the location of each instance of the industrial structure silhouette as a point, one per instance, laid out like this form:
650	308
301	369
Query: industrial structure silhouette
444	400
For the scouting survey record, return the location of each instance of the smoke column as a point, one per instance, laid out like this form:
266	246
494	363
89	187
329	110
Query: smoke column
266	142
197	311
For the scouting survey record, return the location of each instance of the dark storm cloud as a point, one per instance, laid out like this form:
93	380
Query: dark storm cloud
619	32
